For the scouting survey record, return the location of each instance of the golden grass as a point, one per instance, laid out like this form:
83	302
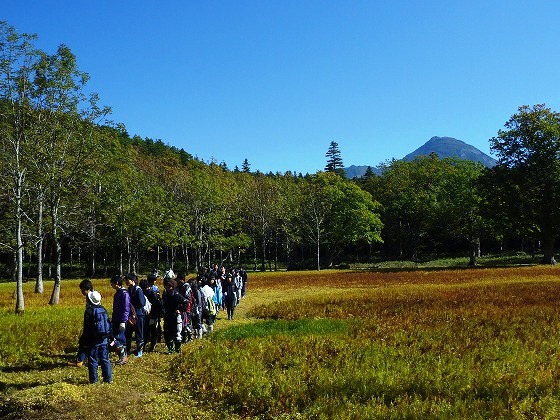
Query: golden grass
401	322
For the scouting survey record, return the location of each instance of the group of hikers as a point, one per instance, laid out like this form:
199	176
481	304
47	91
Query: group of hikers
184	311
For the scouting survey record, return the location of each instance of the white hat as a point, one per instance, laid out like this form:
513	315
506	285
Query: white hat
94	297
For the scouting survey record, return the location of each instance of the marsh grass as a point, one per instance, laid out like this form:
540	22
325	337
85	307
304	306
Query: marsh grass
480	343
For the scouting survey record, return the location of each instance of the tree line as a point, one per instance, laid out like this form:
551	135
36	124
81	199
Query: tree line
76	186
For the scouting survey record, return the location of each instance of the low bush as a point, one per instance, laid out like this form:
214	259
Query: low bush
479	343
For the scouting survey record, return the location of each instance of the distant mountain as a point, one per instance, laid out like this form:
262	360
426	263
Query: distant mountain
450	147
443	146
354	171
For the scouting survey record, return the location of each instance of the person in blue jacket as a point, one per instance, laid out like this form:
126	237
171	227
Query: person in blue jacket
137	299
119	320
96	338
86	286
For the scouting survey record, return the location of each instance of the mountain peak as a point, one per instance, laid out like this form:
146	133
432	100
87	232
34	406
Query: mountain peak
450	147
443	146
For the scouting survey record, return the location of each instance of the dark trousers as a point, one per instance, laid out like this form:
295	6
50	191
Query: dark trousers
99	356
138	331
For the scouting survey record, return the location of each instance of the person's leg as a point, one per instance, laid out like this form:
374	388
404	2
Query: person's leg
128	334
152	334
169	333
140	335
120	343
106	369
82	350
92	364
159	330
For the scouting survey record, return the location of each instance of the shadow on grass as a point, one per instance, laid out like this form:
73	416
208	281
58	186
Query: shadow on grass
42	362
490	261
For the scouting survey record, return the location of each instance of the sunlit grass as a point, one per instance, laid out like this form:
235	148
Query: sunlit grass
480	343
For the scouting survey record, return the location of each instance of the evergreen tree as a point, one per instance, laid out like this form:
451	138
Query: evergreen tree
368	174
334	160
246	166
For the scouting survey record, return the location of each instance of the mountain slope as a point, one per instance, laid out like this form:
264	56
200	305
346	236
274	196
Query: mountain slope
450	147
443	146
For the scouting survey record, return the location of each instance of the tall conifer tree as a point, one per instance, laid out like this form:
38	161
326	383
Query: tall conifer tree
334	160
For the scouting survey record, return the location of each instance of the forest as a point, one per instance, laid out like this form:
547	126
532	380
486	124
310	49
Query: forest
81	197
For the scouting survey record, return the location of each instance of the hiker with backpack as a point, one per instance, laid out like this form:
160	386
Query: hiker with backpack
238	284
153	318
184	288
197	309
97	330
86	286
174	305
208	307
217	287
138	300
120	317
230	295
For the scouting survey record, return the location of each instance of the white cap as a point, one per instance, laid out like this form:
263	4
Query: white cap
94	297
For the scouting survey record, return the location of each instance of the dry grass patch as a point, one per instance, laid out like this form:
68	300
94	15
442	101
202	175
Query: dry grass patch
331	344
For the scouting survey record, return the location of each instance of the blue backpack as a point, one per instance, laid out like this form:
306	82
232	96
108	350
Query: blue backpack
101	322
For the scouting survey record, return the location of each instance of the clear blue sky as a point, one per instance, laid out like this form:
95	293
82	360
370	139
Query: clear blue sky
276	81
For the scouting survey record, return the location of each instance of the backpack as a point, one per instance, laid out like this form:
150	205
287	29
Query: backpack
132	317
147	306
101	322
210	307
153	300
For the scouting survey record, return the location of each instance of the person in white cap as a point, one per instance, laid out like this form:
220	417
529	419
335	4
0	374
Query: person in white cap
97	329
85	287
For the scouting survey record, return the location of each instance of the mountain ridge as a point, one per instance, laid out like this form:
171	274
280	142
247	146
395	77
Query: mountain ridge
443	146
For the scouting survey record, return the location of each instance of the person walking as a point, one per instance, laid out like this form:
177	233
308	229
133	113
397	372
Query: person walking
137	299
97	329
153	319
230	295
119	320
86	286
174	305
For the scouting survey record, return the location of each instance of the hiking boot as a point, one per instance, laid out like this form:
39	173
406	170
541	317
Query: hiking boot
122	359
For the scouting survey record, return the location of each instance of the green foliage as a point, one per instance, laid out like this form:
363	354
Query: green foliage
428	202
528	175
335	211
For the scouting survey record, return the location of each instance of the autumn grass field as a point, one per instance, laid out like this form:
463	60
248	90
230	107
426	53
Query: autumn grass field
478	343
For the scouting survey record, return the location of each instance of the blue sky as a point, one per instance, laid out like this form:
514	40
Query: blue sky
276	81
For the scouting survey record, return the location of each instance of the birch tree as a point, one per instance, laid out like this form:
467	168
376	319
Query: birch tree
17	57
68	115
